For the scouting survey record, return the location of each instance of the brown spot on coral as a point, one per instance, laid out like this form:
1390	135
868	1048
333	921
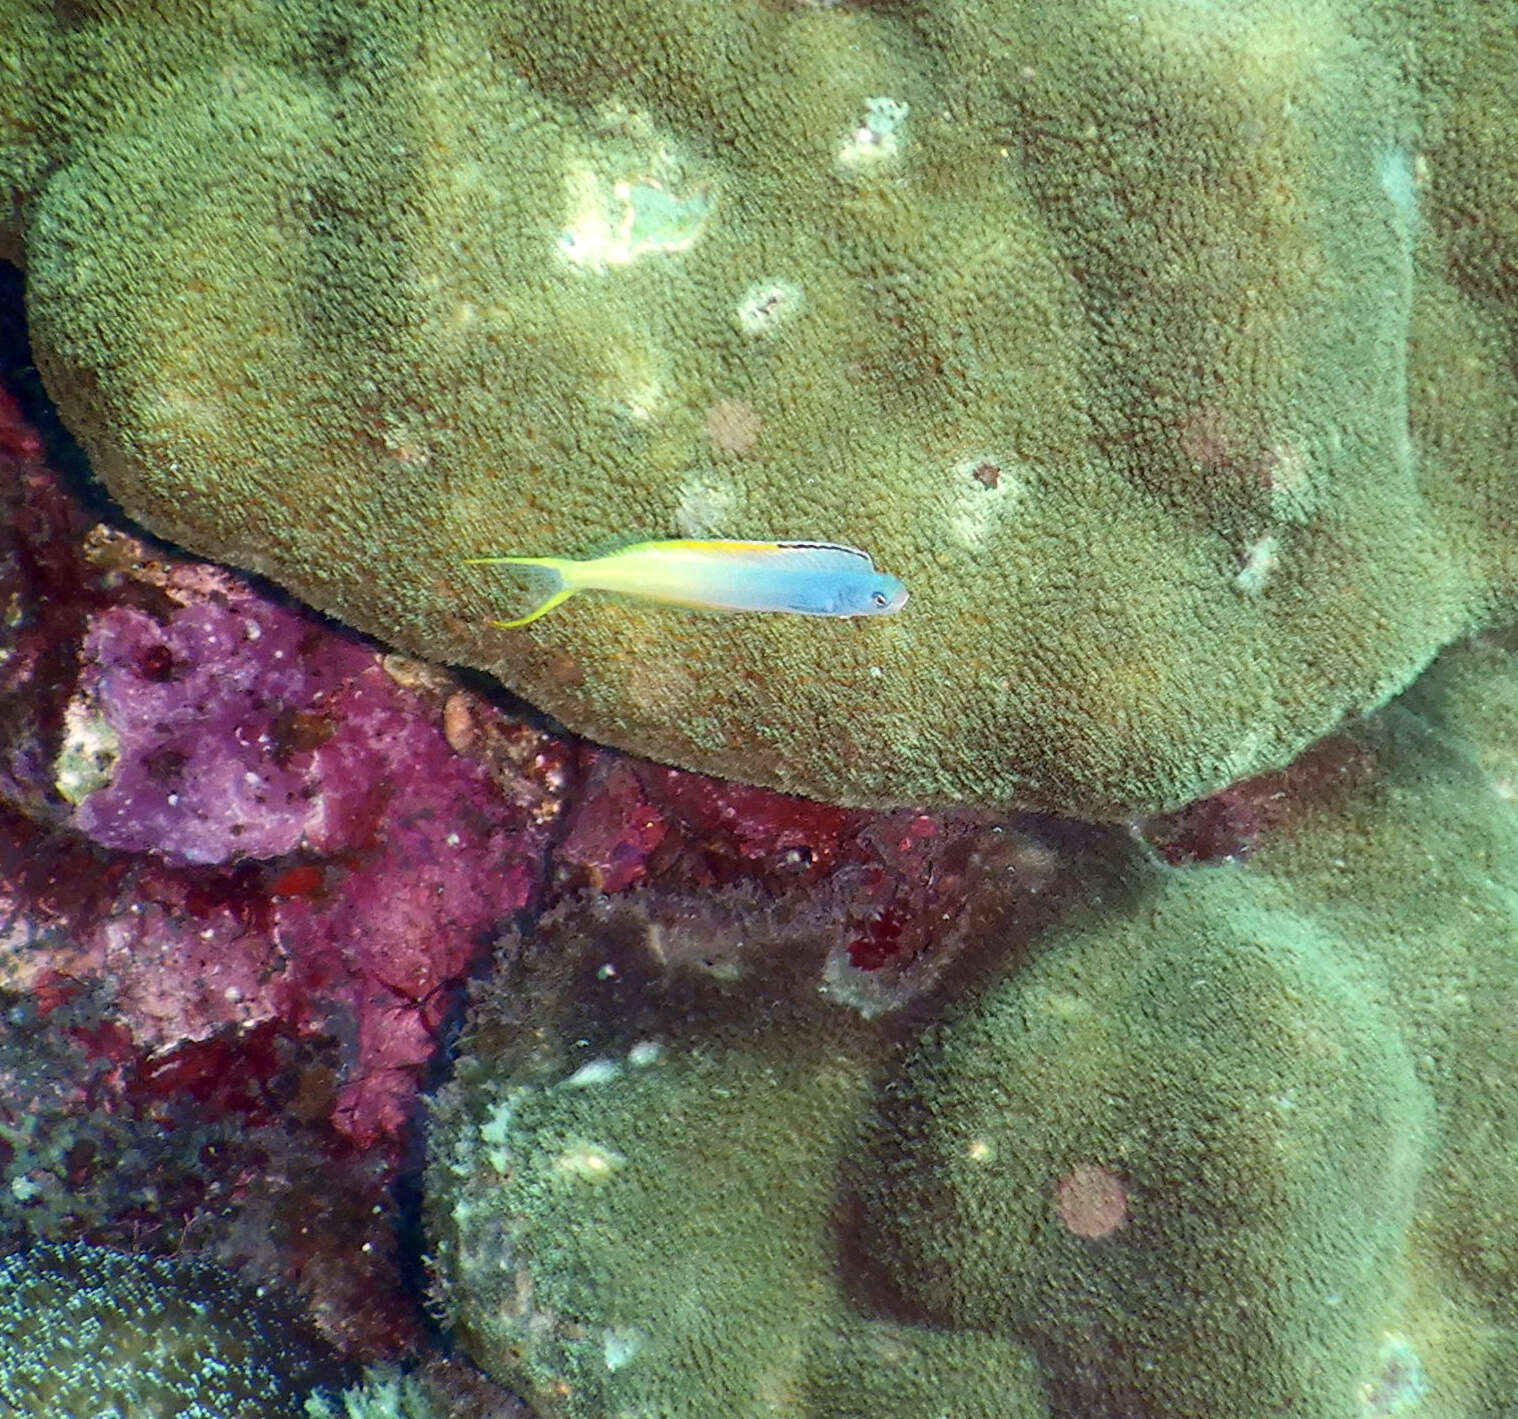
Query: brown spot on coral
1222	827
295	732
1207	437
733	425
1091	1200
565	669
987	474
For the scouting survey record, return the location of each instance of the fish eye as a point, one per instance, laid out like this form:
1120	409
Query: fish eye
879	598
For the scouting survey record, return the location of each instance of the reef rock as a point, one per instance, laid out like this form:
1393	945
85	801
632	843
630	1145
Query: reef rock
1164	350
240	816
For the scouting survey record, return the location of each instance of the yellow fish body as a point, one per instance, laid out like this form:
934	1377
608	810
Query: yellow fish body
803	578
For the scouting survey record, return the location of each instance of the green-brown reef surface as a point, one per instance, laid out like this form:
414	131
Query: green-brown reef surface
1166	349
1163	1143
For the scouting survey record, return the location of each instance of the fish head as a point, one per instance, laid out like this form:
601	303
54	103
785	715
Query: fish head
880	595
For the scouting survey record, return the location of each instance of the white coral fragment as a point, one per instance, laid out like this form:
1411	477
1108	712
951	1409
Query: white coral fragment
766	306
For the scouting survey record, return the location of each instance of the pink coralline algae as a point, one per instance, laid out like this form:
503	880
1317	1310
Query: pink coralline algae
282	831
633	821
214	709
356	874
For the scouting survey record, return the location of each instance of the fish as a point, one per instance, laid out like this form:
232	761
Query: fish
801	578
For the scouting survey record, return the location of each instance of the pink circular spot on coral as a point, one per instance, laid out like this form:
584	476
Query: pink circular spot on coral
733	425
1091	1200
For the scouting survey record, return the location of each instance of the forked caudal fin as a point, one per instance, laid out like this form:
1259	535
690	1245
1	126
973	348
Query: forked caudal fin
554	566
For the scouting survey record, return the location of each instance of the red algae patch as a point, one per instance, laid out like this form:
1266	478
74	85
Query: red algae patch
1091	1200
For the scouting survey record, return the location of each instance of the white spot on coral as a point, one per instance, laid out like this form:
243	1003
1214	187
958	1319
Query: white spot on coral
1259	562
642	402
621	1344
495	1131
616	223
985	488
707	506
877	139
588	1162
634	380
597	1071
1399	181
766	306
1398	1385
1293	498
645	1053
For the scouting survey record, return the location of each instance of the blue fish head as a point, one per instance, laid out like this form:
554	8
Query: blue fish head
876	595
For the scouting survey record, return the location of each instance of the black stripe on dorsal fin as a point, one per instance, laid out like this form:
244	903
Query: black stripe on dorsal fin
831	556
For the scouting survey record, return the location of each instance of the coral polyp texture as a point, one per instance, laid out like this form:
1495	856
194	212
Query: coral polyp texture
1163	350
1232	1137
86	1332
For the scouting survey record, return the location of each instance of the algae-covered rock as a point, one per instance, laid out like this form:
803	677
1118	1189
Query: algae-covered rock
1164	349
1230	1139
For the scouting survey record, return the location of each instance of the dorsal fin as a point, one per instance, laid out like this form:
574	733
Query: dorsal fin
803	556
833	556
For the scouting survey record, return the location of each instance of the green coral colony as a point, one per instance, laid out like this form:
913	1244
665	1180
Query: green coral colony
89	1332
1166	350
1162	350
1201	1141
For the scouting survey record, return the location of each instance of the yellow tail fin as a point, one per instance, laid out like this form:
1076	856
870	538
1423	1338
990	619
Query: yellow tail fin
553	565
562	595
